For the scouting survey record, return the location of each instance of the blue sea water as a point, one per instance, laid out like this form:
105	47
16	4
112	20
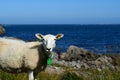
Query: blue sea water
97	38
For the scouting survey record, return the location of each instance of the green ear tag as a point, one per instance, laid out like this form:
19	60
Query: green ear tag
49	61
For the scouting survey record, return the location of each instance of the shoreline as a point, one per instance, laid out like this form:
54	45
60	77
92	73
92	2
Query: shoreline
109	49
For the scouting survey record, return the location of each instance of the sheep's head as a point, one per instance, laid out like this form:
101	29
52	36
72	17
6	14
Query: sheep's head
49	40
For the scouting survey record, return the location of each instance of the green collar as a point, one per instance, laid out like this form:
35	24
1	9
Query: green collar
49	60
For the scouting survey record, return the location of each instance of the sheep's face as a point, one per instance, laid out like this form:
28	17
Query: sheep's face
49	40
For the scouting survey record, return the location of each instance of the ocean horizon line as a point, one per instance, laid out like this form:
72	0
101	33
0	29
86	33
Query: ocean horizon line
62	24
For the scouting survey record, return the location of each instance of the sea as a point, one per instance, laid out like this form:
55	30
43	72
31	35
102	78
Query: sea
95	38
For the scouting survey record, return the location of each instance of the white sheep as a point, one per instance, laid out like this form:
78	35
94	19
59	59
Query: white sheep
31	57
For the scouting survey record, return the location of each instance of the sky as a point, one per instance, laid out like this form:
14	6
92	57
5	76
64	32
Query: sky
60	11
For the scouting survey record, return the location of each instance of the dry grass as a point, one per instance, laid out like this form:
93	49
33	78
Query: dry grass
81	74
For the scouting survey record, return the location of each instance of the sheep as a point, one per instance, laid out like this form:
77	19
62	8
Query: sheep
18	56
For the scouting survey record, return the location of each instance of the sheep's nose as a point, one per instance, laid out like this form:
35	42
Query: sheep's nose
48	49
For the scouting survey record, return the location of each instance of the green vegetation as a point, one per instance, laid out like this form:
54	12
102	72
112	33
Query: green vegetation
81	74
71	76
100	75
9	76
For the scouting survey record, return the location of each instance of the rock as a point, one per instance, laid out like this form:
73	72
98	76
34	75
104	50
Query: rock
54	57
99	69
53	69
75	53
77	58
104	62
60	62
104	59
78	65
62	56
2	30
73	63
85	65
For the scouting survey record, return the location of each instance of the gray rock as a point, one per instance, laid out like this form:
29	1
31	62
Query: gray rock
81	58
85	65
59	62
62	56
78	65
75	53
104	60
62	63
72	53
54	57
2	30
53	69
73	63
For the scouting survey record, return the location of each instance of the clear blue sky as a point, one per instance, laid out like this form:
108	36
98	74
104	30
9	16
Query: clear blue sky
60	11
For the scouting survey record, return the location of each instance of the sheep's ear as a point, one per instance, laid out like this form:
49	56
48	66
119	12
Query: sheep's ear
39	36
59	36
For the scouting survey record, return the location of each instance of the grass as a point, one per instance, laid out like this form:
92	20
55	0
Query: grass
81	74
9	76
100	75
71	76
